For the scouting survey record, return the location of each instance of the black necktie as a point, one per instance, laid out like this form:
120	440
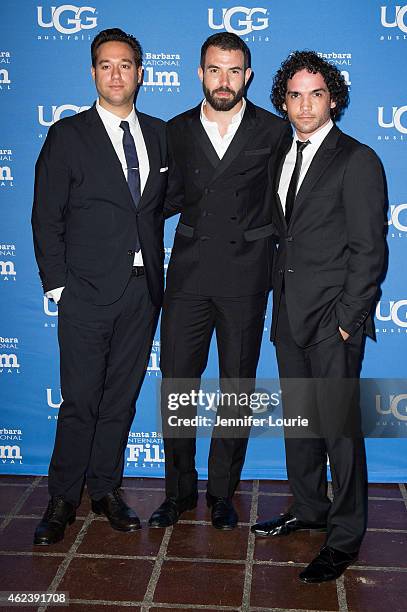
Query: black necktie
133	172
292	187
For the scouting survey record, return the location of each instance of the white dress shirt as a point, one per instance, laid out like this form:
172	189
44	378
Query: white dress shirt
221	143
115	132
307	157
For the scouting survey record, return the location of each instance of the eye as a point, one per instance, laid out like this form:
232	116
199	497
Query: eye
293	95
213	70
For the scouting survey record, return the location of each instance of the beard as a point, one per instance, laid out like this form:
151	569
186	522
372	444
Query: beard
220	104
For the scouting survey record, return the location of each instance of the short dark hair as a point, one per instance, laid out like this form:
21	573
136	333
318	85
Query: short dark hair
116	35
227	42
311	61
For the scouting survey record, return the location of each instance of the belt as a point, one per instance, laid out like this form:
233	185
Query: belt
137	271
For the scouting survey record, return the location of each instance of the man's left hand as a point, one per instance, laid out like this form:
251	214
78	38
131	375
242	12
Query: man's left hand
344	334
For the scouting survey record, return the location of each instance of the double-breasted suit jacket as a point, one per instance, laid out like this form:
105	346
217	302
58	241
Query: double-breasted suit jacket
223	243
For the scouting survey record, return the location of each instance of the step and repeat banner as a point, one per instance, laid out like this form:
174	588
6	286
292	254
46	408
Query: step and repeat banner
45	75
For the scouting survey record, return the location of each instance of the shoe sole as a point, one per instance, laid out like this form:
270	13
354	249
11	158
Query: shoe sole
282	535
45	542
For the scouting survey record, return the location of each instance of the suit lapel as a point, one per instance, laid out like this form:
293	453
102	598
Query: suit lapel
201	137
323	157
154	158
239	140
278	168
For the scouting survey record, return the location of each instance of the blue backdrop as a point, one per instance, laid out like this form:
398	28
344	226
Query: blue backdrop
45	75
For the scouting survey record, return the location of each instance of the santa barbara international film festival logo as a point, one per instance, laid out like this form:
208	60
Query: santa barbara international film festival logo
393	121
7	263
10	445
66	22
161	72
6	169
241	20
342	60
391	317
394	18
5	80
144	449
9	362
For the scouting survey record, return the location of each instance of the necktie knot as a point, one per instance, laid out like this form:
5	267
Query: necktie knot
126	127
300	145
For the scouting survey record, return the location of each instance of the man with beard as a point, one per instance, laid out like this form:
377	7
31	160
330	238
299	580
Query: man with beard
220	269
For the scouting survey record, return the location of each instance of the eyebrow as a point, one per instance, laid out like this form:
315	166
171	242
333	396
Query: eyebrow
231	68
291	91
124	59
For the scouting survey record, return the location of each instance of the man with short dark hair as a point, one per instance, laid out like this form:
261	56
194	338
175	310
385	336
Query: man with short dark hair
219	274
329	212
98	237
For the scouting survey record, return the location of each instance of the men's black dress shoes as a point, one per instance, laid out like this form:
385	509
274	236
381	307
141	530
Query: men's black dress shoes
171	509
57	516
224	516
284	525
328	565
120	516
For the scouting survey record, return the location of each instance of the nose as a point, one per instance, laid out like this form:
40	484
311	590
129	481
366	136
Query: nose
224	79
306	103
116	72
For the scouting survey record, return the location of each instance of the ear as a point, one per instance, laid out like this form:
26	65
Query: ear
247	75
200	74
93	72
140	72
333	103
284	106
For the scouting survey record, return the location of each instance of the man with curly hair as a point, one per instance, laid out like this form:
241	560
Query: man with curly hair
329	212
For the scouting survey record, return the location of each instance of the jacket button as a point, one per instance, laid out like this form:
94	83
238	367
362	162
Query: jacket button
130	252
281	271
196	170
232	242
233	218
290	270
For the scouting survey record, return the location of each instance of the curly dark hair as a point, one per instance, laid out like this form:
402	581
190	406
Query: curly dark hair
116	35
311	61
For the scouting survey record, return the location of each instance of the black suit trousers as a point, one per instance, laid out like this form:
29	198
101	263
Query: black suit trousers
104	352
187	325
330	360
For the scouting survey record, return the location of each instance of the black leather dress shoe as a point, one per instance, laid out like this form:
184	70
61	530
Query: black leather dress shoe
284	525
171	509
328	565
224	516
57	516
120	516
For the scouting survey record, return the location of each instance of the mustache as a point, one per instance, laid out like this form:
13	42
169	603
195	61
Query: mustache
223	90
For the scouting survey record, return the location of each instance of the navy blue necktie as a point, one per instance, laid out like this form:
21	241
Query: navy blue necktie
292	187
133	171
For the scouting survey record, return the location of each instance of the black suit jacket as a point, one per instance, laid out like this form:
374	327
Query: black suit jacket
84	219
223	245
332	253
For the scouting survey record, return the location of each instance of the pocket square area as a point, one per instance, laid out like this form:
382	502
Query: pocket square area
164	169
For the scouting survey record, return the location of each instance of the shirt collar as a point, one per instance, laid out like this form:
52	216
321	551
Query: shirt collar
235	119
112	120
317	138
